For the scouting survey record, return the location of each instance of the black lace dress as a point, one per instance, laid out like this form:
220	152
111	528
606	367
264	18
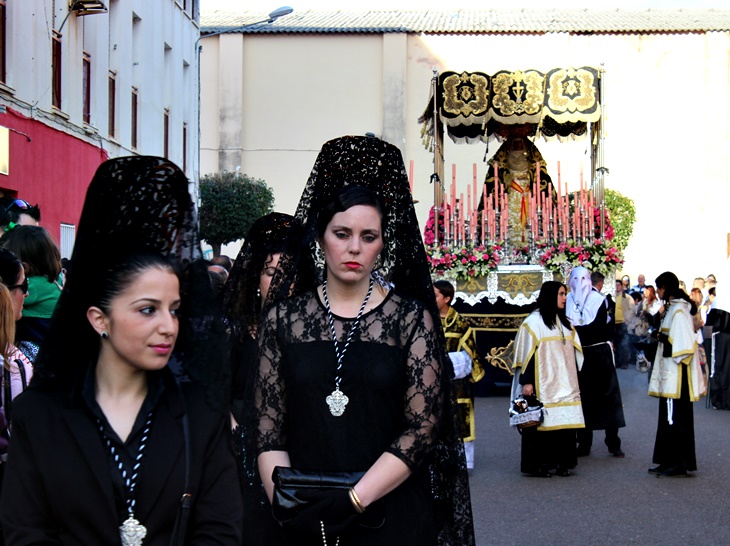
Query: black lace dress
392	377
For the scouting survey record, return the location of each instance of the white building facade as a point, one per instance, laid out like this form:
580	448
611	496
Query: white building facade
273	94
83	81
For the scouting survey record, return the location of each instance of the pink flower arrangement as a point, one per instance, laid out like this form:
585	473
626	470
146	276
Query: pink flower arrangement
463	262
596	255
429	235
607	224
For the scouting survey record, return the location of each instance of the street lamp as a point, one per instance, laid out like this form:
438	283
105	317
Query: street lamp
273	16
86	7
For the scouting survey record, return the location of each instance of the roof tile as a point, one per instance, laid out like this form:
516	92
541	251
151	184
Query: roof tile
505	21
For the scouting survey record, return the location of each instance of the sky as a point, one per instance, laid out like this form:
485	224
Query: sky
265	6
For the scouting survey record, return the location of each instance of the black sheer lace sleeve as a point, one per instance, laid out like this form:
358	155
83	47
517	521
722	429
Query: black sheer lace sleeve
270	395
423	395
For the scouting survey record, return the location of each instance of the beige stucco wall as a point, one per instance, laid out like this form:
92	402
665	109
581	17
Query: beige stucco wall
667	119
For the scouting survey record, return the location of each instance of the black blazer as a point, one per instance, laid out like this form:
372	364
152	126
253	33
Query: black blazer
58	487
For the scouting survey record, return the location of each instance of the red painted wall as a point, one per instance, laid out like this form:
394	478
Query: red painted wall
53	170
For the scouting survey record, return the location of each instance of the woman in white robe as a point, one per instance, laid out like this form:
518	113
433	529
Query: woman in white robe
677	381
548	355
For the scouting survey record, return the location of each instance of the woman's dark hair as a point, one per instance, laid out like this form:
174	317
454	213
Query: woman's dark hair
670	283
446	289
547	304
10	267
271	234
348	197
124	273
35	248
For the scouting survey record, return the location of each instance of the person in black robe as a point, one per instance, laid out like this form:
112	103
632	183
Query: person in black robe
599	387
719	320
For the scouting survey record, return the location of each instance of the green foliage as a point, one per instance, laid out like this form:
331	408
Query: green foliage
229	204
623	217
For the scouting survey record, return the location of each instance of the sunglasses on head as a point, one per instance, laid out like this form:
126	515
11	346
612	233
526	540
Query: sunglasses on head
20	203
23	286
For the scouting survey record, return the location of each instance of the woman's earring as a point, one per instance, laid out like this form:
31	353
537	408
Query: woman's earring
378	263
258	293
319	255
104	335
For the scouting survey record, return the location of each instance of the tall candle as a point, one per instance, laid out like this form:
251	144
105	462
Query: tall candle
453	201
462	218
559	179
474	182
581	175
505	214
468	200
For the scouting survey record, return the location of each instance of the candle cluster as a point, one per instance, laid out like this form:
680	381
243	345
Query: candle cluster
548	215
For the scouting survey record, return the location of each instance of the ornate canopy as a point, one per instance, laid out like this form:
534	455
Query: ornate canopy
474	105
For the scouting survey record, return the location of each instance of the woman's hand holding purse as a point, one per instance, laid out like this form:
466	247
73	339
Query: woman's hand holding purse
333	508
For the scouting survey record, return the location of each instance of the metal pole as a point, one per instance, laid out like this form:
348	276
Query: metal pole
601	150
435	178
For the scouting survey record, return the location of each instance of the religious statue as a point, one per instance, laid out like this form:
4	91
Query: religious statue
516	173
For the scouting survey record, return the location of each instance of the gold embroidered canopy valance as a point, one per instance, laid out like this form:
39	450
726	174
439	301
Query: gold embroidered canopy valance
474	105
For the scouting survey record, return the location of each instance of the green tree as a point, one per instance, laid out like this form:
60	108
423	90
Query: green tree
229	204
623	217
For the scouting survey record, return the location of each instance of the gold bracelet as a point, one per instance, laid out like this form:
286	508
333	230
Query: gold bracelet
355	500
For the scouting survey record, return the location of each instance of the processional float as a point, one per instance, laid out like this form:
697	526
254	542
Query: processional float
499	241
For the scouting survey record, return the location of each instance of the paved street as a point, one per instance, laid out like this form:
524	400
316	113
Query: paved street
607	500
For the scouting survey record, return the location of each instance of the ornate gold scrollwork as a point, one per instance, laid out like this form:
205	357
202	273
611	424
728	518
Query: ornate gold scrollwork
519	283
472	285
502	357
502	323
466	94
572	90
518	92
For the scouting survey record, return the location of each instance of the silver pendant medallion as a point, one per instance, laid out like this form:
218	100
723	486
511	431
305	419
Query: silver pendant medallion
132	532
337	401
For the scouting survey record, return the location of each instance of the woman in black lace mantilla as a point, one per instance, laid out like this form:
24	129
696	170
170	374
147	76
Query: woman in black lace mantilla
243	298
353	372
126	419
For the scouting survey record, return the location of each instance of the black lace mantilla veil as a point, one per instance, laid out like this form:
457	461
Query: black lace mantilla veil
136	204
378	165
241	303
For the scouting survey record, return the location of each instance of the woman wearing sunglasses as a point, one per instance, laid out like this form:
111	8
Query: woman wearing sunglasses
17	368
18	212
41	259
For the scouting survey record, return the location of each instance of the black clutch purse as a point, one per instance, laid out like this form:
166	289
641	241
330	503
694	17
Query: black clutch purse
291	486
